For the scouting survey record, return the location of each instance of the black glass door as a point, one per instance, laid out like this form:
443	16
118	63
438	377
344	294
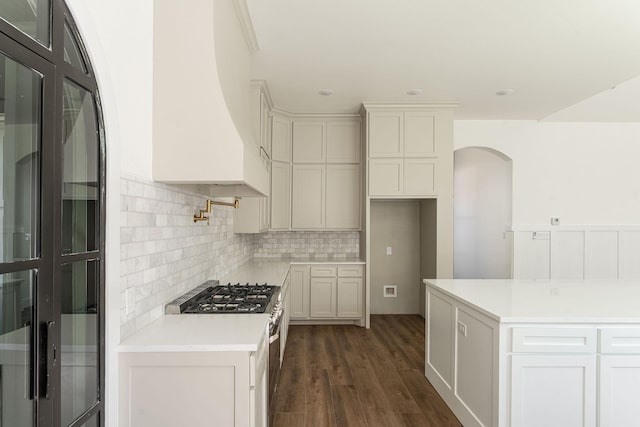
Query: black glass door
52	222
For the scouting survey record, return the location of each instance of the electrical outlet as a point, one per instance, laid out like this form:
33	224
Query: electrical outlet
462	329
555	220
389	250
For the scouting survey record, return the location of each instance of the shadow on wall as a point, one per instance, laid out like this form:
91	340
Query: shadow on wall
482	204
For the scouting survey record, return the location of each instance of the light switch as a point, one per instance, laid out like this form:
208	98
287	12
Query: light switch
389	250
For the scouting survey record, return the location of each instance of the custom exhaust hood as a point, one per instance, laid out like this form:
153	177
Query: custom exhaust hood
202	131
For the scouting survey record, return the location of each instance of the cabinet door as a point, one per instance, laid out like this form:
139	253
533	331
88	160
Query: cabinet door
343	196
349	297
309	142
385	134
248	217
385	177
308	197
419	138
561	388
264	214
322	296
343	142
299	291
419	177
280	196
280	139
265	124
619	390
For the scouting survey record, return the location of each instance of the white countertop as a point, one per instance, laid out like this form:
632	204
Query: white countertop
217	332
548	301
199	332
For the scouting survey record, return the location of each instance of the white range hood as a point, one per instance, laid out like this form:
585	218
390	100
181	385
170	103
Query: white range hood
201	108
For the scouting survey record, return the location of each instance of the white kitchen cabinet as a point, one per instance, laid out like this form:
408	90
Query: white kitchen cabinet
252	215
308	196
558	390
299	291
322	294
280	138
343	197
419	137
343	141
327	292
402	134
386	134
386	177
349	297
158	388
619	390
280	195
309	142
419	177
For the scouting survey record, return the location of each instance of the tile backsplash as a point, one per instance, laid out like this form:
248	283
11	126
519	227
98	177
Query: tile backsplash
307	244
163	253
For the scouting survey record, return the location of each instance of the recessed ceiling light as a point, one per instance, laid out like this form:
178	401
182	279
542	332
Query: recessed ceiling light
326	92
505	92
414	92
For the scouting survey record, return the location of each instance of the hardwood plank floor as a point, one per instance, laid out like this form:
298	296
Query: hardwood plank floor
335	376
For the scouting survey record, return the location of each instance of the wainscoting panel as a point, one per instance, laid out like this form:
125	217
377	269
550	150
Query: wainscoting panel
567	255
630	254
602	255
576	252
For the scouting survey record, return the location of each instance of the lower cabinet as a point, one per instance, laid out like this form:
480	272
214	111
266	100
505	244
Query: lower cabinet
159	388
322	294
327	291
619	390
557	390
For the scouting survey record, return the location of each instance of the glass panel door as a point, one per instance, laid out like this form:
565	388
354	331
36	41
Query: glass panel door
16	349
21	94
20	111
32	17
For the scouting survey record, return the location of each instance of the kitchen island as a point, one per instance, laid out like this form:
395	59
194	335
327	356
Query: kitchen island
535	353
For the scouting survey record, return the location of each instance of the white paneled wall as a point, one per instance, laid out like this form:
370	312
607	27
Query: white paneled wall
577	252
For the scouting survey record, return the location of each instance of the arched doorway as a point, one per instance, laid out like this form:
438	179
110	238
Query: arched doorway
482	189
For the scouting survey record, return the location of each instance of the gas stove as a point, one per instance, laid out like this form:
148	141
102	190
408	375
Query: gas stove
211	297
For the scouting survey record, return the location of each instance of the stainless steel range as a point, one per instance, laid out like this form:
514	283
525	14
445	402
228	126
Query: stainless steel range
211	297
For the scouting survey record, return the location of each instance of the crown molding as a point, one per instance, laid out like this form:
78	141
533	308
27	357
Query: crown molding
292	115
246	24
410	105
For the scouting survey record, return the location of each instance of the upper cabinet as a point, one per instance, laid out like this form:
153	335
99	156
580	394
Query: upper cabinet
202	101
280	138
326	173
343	141
401	134
409	150
261	105
309	142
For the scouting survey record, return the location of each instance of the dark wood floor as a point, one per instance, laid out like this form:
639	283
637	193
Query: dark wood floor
351	376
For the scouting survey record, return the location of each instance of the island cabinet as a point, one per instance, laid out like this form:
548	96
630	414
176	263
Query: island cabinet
327	292
537	363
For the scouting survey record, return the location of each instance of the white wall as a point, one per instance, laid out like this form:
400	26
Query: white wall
583	173
481	214
117	34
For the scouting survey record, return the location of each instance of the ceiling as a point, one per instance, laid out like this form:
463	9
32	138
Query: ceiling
554	54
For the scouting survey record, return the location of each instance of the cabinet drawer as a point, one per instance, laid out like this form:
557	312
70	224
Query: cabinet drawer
323	271
553	340
350	271
620	340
